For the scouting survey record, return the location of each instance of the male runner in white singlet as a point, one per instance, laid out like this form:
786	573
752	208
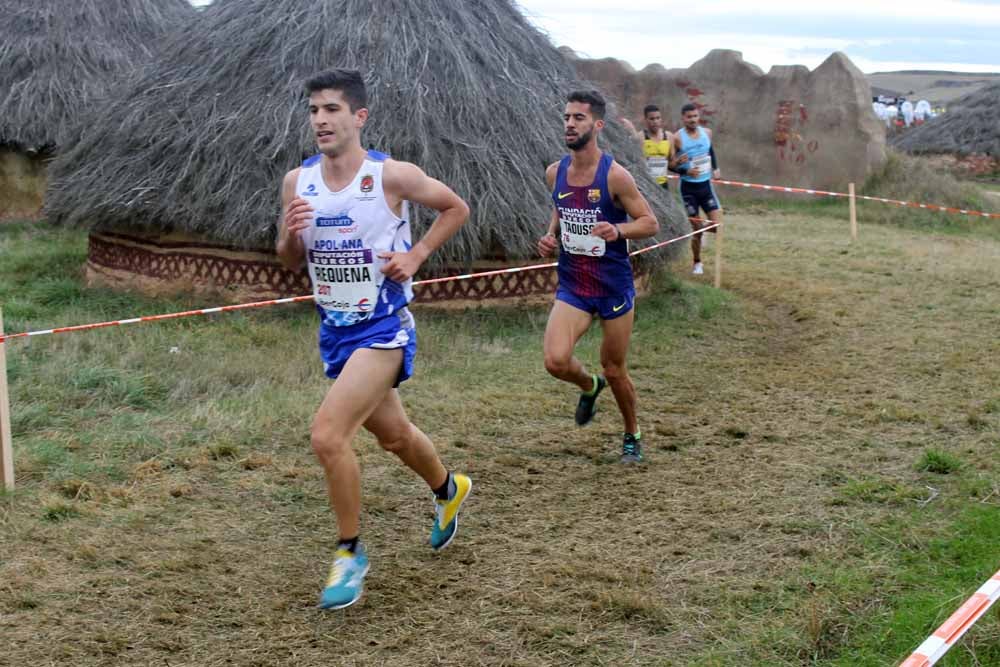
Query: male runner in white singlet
346	219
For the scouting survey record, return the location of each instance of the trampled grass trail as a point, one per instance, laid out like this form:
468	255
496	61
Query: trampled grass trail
822	484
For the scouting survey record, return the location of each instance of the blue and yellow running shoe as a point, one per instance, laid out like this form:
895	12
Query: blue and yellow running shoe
587	406
346	581
631	448
446	513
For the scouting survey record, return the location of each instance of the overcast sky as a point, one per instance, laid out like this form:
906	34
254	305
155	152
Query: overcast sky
878	35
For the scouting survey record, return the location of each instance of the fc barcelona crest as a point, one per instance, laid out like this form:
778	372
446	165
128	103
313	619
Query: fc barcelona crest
594	196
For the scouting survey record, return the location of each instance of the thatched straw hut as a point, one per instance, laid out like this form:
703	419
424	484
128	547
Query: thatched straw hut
57	58
185	175
971	127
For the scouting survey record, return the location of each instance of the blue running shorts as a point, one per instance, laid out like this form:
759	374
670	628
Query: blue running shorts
605	307
337	344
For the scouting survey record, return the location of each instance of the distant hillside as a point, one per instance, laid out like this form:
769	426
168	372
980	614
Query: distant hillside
938	88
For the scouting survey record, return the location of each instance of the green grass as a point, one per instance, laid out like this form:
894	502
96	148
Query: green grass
912	179
941	463
902	178
822	484
929	561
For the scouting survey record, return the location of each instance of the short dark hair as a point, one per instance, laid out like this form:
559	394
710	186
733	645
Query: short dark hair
598	107
690	106
649	108
347	81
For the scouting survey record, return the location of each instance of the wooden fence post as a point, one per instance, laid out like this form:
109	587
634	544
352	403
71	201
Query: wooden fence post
6	445
718	256
854	212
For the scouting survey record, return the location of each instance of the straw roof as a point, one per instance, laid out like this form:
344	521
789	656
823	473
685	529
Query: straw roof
58	56
467	89
971	126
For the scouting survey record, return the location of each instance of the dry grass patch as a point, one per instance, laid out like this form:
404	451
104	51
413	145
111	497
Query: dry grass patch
785	418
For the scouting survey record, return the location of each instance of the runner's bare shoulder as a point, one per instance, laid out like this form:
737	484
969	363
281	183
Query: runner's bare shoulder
550	174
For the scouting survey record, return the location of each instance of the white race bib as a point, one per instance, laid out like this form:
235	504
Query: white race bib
577	239
703	163
345	276
657	165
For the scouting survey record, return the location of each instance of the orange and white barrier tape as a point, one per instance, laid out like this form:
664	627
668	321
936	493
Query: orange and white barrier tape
827	193
952	630
301	299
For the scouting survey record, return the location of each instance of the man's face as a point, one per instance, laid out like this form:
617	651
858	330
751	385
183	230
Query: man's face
579	125
654	121
334	125
691	119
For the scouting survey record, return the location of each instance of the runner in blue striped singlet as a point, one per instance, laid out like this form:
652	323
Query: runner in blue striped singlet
346	219
593	198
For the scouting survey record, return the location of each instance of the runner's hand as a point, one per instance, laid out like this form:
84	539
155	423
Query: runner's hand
547	245
693	172
606	231
400	266
298	215
716	174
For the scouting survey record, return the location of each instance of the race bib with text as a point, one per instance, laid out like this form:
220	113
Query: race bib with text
576	226
345	275
703	163
657	166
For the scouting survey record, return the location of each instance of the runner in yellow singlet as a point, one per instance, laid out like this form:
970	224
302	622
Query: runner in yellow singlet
657	144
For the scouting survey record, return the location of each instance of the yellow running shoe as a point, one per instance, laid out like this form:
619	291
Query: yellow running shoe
446	513
347	577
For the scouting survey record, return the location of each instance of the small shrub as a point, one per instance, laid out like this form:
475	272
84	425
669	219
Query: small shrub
938	462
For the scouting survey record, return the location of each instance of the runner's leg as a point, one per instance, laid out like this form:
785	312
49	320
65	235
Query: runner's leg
362	386
614	350
565	327
397	434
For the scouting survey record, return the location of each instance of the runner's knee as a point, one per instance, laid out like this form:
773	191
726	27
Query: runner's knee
614	371
557	364
326	443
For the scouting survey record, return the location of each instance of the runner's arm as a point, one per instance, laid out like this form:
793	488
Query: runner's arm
550	179
547	244
296	215
711	151
624	190
408	182
677	162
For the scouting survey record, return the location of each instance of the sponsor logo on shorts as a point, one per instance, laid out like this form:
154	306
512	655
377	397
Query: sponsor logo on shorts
615	309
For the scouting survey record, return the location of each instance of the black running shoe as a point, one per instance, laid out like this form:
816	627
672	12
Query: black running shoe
631	448
587	406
